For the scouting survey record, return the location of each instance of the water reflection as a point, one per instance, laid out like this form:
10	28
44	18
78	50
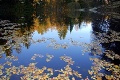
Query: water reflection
57	42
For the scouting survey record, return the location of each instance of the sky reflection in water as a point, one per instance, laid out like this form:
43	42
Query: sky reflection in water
81	35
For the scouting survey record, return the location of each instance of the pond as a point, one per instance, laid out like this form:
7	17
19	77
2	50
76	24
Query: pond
48	41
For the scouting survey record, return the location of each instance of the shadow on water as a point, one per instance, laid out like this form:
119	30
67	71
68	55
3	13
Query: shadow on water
20	20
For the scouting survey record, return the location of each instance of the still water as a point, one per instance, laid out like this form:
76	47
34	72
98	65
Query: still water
44	41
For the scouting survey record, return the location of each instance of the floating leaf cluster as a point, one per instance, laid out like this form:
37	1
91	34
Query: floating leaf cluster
31	72
107	37
36	55
12	58
102	64
67	59
49	57
110	54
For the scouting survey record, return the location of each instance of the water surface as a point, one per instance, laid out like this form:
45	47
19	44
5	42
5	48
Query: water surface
41	41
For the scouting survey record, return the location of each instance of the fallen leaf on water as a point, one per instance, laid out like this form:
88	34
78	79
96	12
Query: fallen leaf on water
90	72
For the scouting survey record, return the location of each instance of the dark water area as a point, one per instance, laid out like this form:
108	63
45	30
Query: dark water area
59	40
